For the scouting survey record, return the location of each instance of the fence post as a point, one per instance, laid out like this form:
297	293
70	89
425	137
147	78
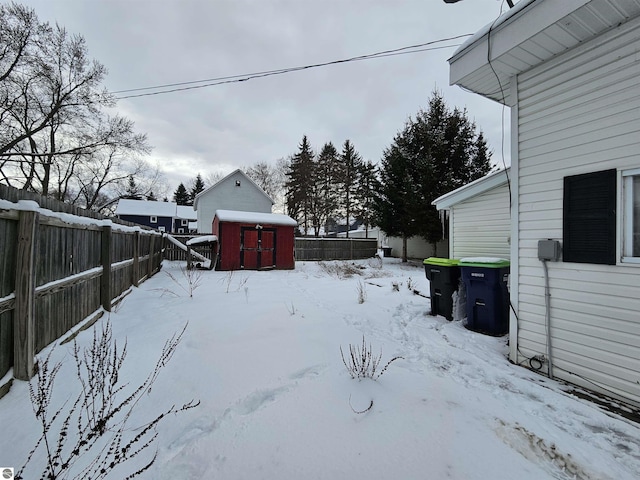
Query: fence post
24	323
105	280
136	259
151	257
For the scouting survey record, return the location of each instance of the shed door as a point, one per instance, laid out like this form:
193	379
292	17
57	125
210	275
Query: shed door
257	248
267	252
249	248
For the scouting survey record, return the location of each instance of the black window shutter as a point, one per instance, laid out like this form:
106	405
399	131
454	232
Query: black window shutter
589	218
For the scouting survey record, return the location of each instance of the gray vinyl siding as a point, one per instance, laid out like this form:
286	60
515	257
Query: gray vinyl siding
481	225
579	113
227	196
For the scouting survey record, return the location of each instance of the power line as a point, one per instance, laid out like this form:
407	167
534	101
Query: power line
183	86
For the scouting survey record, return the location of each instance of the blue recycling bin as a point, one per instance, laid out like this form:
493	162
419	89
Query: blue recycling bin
443	275
487	295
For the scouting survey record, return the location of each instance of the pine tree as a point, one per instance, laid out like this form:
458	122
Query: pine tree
350	166
299	184
181	196
324	194
436	152
198	186
365	192
394	202
132	192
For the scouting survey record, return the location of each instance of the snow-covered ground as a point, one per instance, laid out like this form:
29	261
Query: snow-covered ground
262	354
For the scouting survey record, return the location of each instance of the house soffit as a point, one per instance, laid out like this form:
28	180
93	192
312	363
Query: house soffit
536	31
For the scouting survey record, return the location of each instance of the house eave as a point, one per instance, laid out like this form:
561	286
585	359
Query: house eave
529	34
470	190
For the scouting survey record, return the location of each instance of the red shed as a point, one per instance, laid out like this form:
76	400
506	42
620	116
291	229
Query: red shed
254	241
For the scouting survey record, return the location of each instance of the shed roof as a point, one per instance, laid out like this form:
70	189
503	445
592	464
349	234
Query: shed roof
530	33
470	190
255	217
145	207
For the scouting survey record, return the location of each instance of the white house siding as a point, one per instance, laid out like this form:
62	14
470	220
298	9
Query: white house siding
225	195
417	247
481	225
579	113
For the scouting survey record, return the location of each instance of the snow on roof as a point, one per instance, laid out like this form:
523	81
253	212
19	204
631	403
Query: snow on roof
146	207
186	211
255	217
202	239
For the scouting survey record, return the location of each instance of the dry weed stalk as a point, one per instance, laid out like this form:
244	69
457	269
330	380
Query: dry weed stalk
91	436
362	363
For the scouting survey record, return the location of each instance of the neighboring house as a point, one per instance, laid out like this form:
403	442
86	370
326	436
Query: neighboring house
237	192
163	216
479	217
158	215
570	71
185	221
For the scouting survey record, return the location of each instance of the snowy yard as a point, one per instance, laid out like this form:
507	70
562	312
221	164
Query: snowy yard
261	353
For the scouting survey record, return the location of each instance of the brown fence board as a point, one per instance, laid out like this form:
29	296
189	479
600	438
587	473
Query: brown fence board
65	277
335	248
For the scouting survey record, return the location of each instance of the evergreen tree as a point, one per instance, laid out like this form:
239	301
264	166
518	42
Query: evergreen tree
365	192
324	191
181	196
394	202
350	167
299	184
132	192
198	186
437	152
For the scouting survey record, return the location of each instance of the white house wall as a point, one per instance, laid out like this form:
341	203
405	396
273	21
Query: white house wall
417	247
227	196
579	113
481	225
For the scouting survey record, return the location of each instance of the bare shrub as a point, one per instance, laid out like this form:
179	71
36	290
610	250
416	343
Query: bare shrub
228	280
362	292
361	363
191	280
91	435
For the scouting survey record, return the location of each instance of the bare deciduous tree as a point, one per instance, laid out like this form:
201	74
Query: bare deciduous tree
55	130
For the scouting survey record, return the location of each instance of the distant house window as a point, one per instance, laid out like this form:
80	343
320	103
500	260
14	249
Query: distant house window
161	229
153	219
184	222
181	230
589	218
631	215
237	183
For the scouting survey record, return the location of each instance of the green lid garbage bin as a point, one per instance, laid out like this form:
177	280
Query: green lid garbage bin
486	282
443	275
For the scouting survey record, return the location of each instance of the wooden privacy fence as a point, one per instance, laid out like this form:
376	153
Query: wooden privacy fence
335	248
57	270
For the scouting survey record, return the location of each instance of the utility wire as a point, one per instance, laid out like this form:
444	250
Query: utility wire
250	76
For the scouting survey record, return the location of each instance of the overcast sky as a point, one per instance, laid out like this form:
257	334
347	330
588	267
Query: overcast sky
145	43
